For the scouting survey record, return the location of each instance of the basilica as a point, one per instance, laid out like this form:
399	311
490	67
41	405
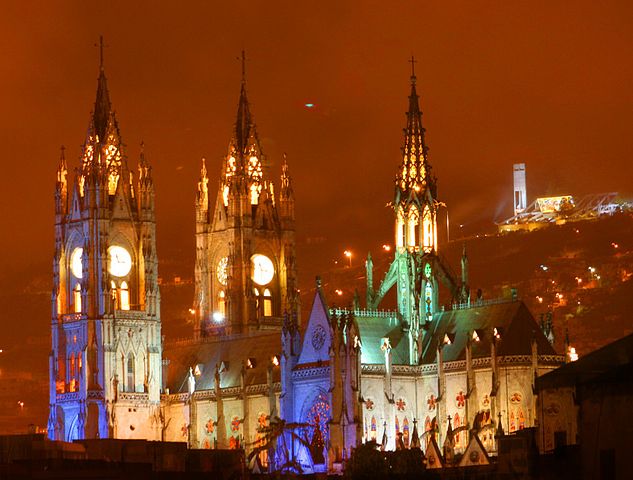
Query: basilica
418	376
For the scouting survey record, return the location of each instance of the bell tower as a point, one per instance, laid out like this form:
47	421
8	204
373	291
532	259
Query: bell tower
105	361
417	268
245	270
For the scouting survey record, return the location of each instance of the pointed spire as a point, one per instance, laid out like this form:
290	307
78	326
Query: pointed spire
61	196
415	171
415	437
144	168
243	123
62	170
500	432
101	112
286	182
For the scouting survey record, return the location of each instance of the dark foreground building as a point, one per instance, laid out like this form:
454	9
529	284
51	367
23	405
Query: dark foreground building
35	456
585	406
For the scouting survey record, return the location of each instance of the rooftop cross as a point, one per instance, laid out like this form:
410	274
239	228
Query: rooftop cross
243	66
101	46
413	61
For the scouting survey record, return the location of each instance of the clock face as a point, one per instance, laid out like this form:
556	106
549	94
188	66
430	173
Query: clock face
318	337
119	261
76	267
221	270
263	269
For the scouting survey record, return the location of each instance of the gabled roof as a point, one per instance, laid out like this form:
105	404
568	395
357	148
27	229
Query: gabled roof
317	350
433	455
475	453
233	351
613	361
517	324
372	330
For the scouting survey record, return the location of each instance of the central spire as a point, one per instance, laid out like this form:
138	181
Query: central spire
101	113
243	124
415	171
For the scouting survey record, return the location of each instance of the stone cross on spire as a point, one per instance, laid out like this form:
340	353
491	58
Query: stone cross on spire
413	61
101	46
243	67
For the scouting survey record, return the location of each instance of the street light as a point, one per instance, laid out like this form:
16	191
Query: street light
348	254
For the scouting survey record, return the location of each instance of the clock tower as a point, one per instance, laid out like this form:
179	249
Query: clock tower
105	360
245	271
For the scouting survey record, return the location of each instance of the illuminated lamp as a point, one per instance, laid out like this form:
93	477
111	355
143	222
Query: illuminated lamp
218	317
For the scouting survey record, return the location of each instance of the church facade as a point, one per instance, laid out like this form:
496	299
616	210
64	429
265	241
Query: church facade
404	378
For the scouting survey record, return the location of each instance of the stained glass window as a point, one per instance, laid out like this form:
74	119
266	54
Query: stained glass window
320	413
456	424
405	432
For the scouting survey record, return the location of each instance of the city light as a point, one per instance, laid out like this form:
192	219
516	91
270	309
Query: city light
573	356
545	268
386	248
192	311
338	292
614	245
348	254
21	404
218	317
539	299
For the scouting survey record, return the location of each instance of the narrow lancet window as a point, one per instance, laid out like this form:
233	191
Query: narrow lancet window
77	298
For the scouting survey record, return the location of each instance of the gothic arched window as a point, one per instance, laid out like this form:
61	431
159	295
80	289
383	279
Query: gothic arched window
268	303
77	298
131	381
427	428
405	432
124	296
319	414
400	229
114	295
456	424
428	230
412	222
372	431
222	302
